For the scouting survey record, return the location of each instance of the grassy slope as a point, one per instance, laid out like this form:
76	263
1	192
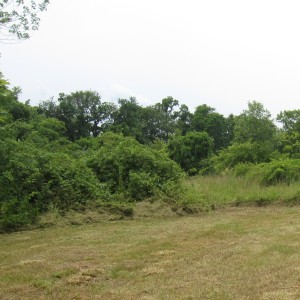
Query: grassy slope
236	253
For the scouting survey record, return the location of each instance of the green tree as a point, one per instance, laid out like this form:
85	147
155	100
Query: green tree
82	112
151	121
206	119
166	117
229	130
19	17
127	119
4	99
254	139
51	128
189	150
10	107
289	144
156	124
240	153
184	119
254	124
3	86
289	135
290	120
167	105
48	108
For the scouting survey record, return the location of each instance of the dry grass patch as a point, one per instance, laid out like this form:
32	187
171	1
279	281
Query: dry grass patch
238	253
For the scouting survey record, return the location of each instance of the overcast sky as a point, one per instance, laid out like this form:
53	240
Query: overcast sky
215	52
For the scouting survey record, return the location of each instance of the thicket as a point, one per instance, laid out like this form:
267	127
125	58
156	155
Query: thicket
282	171
42	168
80	152
132	170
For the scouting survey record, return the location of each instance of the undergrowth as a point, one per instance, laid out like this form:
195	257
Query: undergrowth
199	194
229	190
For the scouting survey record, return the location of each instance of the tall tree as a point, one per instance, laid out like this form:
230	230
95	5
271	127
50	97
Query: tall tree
184	119
4	98
254	124
229	130
166	117
82	112
146	124
10	108
151	124
290	120
205	118
127	118
189	150
19	17
290	134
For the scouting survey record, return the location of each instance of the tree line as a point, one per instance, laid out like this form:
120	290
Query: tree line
79	151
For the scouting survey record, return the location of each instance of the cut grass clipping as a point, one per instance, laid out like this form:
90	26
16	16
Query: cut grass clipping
236	253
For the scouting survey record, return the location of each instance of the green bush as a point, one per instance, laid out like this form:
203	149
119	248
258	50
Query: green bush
33	179
245	153
15	213
140	185
189	150
277	171
242	169
69	183
132	169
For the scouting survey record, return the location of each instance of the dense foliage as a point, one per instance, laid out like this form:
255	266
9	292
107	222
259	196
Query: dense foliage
132	169
190	150
42	168
78	151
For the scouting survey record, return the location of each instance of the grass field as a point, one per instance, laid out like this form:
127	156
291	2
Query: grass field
233	253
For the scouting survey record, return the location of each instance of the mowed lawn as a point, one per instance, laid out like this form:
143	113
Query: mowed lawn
236	253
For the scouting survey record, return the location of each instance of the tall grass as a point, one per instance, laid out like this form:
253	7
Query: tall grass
228	190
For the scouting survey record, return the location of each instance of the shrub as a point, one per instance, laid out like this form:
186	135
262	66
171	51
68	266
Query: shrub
69	183
132	169
248	152
189	150
242	169
33	179
279	171
15	213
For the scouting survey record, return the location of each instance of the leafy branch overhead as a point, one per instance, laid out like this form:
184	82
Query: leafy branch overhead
19	17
